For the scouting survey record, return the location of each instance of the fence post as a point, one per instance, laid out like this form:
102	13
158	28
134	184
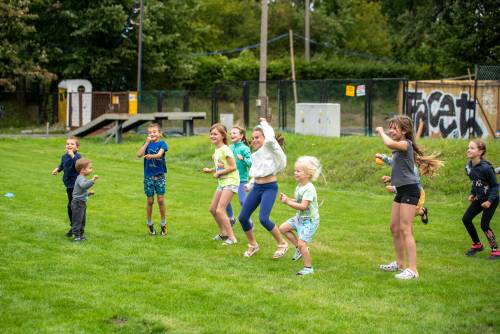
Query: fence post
159	101
471	124
186	125
246	103
368	107
215	107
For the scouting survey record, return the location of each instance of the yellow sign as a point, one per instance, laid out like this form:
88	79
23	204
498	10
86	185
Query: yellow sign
350	90
132	103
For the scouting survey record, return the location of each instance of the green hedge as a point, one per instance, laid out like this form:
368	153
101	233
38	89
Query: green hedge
209	70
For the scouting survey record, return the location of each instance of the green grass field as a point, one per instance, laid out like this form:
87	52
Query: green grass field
123	281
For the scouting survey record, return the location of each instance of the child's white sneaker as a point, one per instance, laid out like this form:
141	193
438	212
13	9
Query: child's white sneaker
305	271
393	266
406	274
297	254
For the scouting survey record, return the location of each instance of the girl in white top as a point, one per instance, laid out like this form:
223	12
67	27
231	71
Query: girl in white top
267	161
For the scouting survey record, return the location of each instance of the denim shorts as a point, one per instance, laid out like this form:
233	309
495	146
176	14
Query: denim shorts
154	184
232	187
306	228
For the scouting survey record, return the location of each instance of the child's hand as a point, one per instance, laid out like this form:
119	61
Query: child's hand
246	187
148	139
378	155
216	175
55	171
379	129
472	198
148	156
91	192
386	179
239	156
486	204
283	198
262	119
207	170
95	177
389	189
71	153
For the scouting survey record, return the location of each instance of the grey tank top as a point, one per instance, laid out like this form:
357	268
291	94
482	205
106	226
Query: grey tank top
402	167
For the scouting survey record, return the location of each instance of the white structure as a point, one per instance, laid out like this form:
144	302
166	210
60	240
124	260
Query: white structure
227	120
78	96
319	119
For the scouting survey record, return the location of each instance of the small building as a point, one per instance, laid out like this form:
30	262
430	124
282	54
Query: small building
75	102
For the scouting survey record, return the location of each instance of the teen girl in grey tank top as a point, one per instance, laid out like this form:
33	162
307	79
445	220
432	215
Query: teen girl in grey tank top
402	167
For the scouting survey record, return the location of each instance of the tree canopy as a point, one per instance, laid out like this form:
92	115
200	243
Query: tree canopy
47	41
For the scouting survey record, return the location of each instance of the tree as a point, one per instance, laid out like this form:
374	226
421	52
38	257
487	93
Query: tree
20	56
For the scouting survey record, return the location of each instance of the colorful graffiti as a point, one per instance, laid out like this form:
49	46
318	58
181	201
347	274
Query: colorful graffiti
444	114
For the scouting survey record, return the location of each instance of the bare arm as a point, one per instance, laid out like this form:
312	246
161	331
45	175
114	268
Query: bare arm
390	143
293	204
155	156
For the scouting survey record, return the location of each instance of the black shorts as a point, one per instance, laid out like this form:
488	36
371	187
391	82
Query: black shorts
407	194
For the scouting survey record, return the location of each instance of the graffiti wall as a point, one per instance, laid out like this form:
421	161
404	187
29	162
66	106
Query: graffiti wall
448	108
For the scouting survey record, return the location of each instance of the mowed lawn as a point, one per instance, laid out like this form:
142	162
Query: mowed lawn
123	281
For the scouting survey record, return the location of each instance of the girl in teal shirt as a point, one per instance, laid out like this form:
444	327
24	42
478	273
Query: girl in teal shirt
243	157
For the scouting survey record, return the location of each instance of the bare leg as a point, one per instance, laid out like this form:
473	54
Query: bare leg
397	239
161	205
306	256
286	230
213	211
221	215
149	207
407	212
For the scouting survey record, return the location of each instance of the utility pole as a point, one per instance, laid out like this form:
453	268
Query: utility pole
292	63
139	57
262	100
306	31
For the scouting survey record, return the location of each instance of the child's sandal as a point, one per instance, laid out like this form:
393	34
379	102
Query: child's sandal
282	249
251	250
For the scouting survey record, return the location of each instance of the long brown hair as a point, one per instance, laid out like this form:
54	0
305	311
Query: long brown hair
243	133
427	165
221	128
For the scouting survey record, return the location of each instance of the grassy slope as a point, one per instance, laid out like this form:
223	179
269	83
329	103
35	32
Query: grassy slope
121	280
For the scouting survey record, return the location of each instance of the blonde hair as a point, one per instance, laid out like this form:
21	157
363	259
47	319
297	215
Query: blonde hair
81	164
221	128
75	139
427	165
311	166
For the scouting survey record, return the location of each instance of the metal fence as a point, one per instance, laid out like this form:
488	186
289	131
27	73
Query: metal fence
360	114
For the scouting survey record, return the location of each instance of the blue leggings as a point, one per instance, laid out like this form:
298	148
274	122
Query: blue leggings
241	198
265	195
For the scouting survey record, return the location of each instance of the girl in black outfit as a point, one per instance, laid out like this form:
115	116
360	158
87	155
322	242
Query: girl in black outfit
483	197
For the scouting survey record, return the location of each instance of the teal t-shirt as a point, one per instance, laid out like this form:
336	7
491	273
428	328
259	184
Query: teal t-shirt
307	192
245	164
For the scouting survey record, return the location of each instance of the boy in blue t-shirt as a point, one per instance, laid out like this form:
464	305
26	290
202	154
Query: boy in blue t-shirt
155	168
67	166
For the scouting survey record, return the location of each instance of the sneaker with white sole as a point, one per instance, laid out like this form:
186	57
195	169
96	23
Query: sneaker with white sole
406	274
229	242
297	254
393	266
305	271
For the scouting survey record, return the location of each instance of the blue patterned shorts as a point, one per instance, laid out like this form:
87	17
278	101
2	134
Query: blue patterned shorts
306	228
154	184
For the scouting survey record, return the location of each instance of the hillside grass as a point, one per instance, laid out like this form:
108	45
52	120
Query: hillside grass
123	281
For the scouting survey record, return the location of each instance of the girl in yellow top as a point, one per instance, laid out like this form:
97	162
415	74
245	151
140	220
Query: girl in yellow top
228	181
